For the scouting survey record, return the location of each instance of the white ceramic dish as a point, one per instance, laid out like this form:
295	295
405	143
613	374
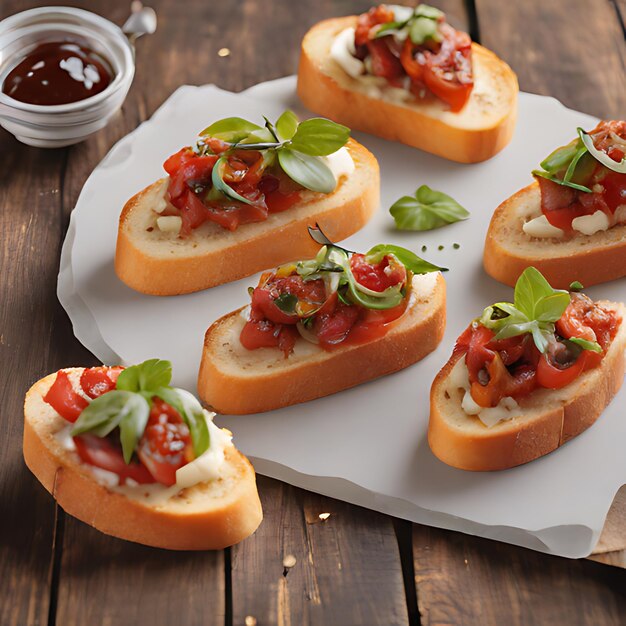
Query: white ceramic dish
366	445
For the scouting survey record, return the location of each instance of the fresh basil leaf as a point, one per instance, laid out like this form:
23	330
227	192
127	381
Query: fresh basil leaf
571	168
319	137
230	129
427	210
220	185
409	259
423	29
392	298
306	170
191	411
513	330
258	137
287	125
286	302
531	287
601	156
125	409
542	337
560	158
390	28
148	375
552	307
424	10
576	286
558	181
585	344
270	128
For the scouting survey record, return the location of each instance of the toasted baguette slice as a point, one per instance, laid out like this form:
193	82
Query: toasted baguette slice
480	130
235	380
207	516
548	420
590	259
164	264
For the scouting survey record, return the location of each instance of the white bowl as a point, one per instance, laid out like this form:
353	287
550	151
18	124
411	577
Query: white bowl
53	126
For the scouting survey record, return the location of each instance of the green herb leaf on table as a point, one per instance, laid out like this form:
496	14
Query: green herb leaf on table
307	170
426	210
319	137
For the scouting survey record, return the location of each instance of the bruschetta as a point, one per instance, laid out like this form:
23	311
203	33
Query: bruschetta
123	451
319	326
240	200
526	377
571	222
406	75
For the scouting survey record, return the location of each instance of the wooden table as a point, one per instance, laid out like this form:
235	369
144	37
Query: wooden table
358	567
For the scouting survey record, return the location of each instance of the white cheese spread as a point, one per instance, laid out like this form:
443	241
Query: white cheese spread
590	224
340	163
170	224
541	228
506	409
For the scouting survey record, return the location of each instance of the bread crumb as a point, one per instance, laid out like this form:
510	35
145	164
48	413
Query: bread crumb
224	52
324	516
289	561
250	621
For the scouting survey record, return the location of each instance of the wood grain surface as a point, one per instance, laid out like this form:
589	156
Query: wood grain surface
357	567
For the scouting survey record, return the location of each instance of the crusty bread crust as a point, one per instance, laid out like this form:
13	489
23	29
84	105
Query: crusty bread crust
590	259
235	381
550	419
216	516
477	133
163	264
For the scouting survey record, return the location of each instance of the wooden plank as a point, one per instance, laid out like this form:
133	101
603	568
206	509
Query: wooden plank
108	581
571	50
346	569
468	580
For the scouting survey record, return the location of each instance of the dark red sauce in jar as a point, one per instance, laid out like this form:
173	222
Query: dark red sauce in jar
58	72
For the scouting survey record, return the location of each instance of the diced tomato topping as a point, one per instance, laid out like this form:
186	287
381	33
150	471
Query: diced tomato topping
166	443
63	399
562	204
106	453
514	367
441	68
190	186
95	381
387	273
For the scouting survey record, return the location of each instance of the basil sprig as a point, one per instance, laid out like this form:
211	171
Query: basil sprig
128	407
426	210
332	264
421	26
569	165
535	308
298	146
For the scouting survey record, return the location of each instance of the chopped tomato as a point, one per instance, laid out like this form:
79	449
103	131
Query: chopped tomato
166	443
384	62
106	453
448	72
380	14
333	328
551	376
502	383
63	399
95	381
387	273
266	334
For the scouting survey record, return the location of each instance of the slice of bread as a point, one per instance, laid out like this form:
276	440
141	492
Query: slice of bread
548	418
235	380
481	129
590	259
207	516
164	264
